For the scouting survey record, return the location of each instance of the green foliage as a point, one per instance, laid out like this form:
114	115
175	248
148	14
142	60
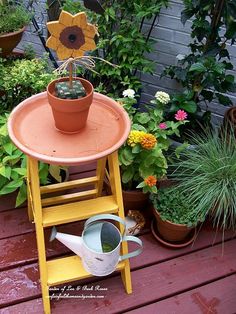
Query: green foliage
22	78
204	72
173	205
138	162
122	41
13	167
13	18
207	174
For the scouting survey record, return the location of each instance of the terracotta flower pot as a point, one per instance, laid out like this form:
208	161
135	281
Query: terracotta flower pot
9	41
132	200
135	200
70	115
170	231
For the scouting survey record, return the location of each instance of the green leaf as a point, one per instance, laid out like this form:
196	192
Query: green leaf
55	172
143	117
141	185
189	106
20	171
22	195
8	147
5	171
197	67
224	100
136	149
11	187
128	175
180	149
185	15
208	95
154	189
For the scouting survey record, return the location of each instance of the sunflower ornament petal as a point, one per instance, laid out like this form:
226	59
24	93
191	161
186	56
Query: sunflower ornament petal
71	36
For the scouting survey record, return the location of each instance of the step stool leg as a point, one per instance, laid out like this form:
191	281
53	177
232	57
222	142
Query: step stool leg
29	193
36	199
114	173
101	165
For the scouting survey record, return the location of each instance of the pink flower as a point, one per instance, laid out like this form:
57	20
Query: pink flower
162	125
181	115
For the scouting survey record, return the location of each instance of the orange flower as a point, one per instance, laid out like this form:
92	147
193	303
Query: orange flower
71	36
150	181
148	141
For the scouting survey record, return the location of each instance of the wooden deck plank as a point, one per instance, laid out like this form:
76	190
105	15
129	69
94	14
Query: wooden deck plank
158	281
15	222
149	283
216	297
21	249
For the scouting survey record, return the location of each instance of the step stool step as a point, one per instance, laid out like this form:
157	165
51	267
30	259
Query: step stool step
67	269
71	212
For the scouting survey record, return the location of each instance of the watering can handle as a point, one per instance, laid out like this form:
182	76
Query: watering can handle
135	253
105	216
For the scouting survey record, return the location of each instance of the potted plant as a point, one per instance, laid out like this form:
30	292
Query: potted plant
13	19
142	157
70	98
207	175
175	217
22	78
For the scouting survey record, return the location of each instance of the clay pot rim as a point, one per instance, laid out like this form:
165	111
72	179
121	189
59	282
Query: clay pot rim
172	245
63	79
157	214
13	33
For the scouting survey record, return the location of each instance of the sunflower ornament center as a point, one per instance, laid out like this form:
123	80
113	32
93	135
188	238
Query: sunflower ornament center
72	37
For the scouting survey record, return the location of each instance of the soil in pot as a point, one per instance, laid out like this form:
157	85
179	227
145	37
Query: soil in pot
9	41
170	231
70	115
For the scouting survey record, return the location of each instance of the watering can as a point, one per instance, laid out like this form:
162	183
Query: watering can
99	245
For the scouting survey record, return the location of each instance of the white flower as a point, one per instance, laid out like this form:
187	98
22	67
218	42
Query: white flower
162	97
128	93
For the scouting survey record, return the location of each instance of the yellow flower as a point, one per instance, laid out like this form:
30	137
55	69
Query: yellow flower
135	137
148	141
71	36
150	181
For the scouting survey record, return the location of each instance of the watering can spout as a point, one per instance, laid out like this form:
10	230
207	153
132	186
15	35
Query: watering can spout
74	243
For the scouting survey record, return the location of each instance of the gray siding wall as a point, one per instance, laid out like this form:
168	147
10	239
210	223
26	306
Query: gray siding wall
172	39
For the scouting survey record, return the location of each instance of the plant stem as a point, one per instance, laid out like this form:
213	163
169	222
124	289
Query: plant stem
216	17
70	74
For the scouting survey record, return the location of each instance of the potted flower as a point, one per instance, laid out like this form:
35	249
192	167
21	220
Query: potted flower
175	217
70	97
142	157
13	19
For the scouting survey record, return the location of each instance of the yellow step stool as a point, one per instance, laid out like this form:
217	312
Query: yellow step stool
31	128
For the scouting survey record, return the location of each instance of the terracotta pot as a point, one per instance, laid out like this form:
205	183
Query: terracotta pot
170	231
70	115
9	41
132	200
135	200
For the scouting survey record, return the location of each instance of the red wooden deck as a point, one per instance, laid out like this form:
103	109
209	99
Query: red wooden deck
196	279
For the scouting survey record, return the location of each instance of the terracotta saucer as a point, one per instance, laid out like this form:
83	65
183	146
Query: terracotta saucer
175	245
31	128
